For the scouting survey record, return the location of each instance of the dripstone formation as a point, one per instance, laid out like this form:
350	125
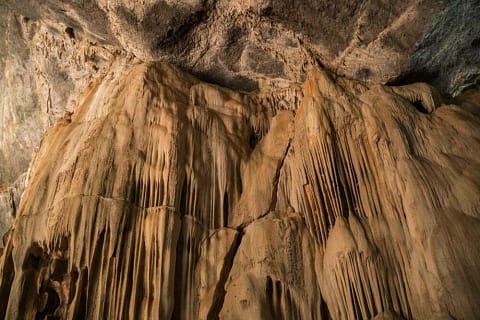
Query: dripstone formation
254	160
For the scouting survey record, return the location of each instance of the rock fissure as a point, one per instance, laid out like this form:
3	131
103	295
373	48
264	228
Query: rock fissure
273	203
219	294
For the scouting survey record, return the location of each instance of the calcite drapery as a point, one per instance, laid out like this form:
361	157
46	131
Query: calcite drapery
155	200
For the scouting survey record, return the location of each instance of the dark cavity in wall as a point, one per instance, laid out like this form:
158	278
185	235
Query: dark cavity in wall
69	31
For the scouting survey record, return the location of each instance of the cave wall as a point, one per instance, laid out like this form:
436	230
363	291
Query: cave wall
312	177
152	200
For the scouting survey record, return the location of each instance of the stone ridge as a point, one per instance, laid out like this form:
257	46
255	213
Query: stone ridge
163	197
51	50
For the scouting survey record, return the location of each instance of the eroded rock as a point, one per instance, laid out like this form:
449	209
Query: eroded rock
322	193
367	207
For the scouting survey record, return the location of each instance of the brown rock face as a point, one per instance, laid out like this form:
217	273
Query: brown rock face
322	180
50	50
164	197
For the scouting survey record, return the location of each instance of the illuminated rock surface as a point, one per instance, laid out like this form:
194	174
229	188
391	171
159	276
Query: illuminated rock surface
156	195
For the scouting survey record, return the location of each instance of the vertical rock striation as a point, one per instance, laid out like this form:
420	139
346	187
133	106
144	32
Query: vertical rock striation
162	197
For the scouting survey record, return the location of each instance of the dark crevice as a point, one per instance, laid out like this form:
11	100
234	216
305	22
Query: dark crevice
13	205
219	294
53	302
269	287
6	280
59	268
73	285
253	139
413	77
176	35
226	79
267	11
226	209
80	311
273	202
419	106
325	314
240	184
35	258
95	268
183	198
345	186
184	249
146	194
273	292
475	43
69	31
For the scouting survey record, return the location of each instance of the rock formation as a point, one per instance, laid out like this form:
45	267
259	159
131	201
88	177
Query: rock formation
317	182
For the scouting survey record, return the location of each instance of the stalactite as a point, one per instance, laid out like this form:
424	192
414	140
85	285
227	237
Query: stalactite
162	197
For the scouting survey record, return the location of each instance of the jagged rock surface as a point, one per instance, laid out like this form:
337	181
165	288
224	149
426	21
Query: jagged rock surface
164	197
42	71
156	195
245	43
50	50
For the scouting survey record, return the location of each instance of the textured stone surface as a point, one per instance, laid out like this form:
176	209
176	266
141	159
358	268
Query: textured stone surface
368	205
321	180
239	44
50	50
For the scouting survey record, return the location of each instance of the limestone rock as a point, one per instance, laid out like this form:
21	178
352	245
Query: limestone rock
273	273
9	201
334	174
267	158
42	71
362	193
132	221
246	43
215	261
